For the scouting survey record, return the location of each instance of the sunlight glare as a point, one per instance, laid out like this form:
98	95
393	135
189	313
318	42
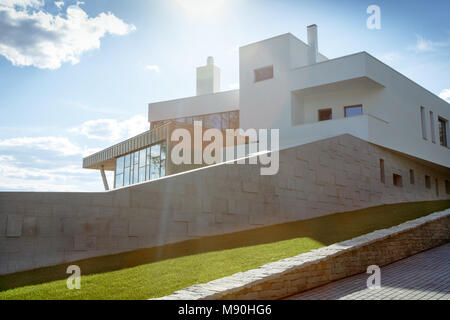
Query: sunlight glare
201	7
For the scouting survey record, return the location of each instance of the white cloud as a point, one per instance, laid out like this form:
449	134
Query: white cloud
60	145
59	4
20	176
445	94
425	45
111	129
154	68
34	37
21	3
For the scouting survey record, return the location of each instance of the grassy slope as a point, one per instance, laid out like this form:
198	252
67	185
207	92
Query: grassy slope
177	266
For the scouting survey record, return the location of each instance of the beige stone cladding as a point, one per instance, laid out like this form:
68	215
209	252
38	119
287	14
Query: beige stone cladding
333	175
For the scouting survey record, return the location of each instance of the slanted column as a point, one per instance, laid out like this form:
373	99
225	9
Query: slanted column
105	181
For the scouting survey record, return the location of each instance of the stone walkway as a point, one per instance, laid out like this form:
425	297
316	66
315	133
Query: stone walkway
424	276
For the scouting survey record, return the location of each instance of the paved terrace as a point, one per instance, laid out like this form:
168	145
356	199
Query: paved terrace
424	276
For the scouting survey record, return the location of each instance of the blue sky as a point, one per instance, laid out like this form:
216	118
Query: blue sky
76	77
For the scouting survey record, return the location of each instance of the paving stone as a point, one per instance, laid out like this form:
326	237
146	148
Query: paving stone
424	276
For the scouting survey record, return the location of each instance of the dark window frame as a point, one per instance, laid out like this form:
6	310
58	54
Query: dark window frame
443	134
323	110
427	182
263	74
382	172
412	179
397	180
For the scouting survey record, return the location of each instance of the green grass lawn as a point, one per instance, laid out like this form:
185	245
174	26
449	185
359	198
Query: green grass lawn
160	271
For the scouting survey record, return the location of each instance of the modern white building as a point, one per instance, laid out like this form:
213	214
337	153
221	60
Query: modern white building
354	133
289	85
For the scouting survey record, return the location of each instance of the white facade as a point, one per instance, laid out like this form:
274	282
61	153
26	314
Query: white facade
284	83
302	81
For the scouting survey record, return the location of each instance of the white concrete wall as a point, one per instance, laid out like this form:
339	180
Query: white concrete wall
297	91
265	104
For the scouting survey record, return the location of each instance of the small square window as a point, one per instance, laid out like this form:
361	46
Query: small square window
382	176
325	114
353	111
265	73
428	182
397	180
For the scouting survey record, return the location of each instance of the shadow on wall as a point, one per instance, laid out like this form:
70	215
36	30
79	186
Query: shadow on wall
326	230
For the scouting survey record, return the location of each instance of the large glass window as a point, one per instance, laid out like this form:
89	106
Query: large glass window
224	120
143	165
233	120
213	121
163	150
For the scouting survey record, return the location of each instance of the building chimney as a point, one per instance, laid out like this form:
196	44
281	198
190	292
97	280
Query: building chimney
208	78
313	43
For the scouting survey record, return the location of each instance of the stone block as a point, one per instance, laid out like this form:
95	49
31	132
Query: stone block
119	228
84	243
238	206
250	186
142	227
14	226
29	226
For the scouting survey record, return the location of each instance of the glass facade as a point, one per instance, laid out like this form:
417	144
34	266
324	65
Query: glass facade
224	120
143	165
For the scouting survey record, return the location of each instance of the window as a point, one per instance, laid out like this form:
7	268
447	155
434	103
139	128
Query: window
424	126
353	111
437	187
119	172
325	114
142	165
224	120
443	131
234	120
382	176
447	187
213	121
411	176
428	182
142	158
264	73
221	121
433	134
135	174
126	172
397	180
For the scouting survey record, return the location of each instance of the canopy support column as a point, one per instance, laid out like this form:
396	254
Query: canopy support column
105	181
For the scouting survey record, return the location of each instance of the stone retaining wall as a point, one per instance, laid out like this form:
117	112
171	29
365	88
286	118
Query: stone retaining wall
324	177
309	270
